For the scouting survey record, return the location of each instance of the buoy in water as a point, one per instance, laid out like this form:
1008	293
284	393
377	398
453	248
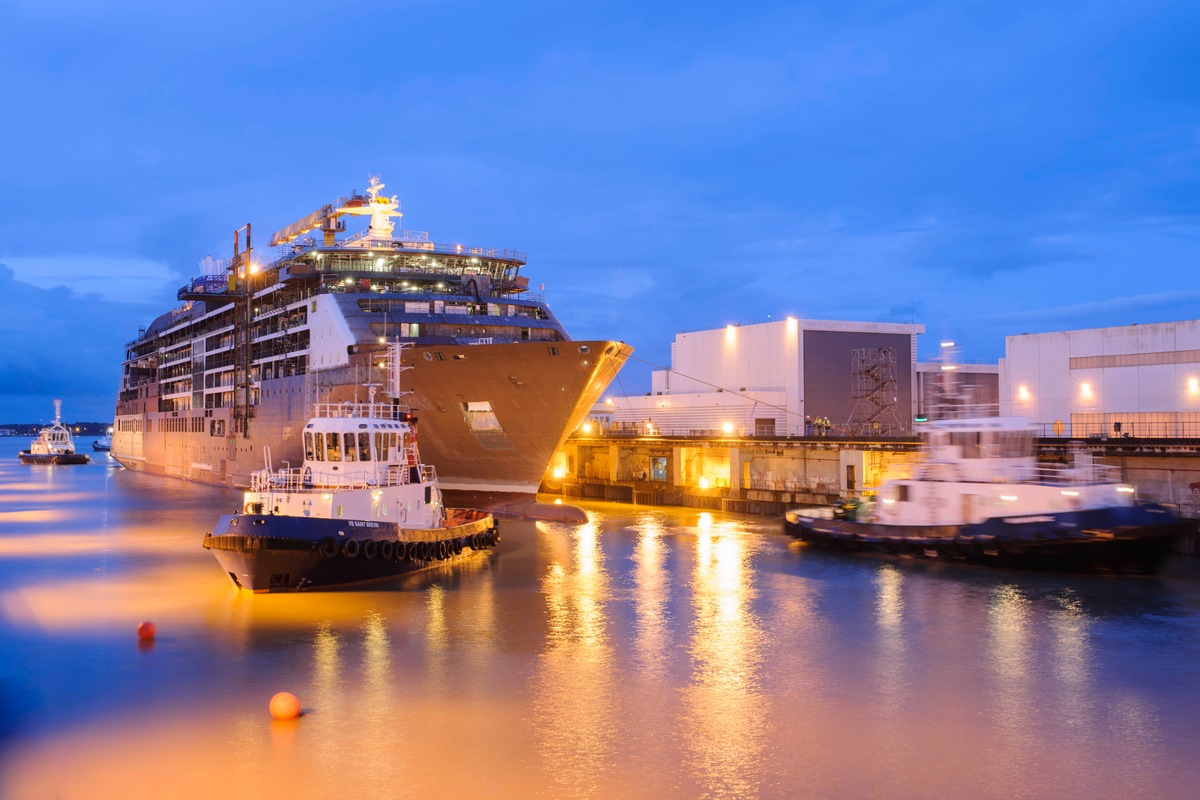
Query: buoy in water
146	631
285	705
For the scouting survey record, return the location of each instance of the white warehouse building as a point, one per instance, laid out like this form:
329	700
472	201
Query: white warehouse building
1135	380
765	379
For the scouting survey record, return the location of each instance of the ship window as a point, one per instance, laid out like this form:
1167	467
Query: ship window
364	446
319	446
902	493
351	451
552	351
308	446
333	447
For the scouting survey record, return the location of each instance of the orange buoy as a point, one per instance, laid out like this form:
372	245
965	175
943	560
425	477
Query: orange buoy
285	705
146	631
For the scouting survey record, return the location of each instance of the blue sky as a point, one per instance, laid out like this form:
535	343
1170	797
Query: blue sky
983	168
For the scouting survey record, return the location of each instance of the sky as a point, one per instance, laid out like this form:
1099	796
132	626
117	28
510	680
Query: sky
982	168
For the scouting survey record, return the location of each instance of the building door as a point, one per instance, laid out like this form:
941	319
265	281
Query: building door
851	478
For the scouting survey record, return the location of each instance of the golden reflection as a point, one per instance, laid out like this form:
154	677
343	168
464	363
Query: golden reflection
652	588
437	636
327	659
891	667
377	652
1071	654
574	688
1016	740
725	708
1008	626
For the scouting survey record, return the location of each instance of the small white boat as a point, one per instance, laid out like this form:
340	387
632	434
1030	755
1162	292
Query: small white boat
54	444
104	443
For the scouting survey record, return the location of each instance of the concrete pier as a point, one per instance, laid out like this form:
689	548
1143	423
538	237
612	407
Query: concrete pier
760	475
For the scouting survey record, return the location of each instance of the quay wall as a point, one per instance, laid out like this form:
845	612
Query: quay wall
767	476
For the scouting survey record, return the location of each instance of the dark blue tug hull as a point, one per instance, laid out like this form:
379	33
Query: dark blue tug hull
273	553
1124	540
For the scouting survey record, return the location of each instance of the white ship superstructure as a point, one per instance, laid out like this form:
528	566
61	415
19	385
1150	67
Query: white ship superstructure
496	380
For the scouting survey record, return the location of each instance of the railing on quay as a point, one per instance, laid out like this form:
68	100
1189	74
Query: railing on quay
1096	431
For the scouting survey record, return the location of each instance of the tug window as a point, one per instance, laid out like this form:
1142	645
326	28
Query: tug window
308	446
333	447
350	449
364	446
319	446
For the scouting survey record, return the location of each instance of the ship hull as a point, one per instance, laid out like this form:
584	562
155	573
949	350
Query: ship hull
274	553
53	458
490	417
1126	540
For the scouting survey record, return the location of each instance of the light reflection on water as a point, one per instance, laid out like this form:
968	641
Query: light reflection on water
647	653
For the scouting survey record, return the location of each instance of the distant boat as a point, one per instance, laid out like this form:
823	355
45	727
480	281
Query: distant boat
54	444
104	443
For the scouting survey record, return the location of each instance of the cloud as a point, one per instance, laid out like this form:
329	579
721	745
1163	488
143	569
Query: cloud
120	280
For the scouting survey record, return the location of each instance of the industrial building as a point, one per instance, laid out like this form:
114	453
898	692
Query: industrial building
776	378
1129	381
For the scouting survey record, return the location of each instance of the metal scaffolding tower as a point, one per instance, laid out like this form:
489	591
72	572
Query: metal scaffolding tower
874	409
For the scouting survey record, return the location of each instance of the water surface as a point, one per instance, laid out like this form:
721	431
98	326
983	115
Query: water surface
647	653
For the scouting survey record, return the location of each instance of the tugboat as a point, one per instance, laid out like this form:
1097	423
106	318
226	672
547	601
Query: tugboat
362	507
979	496
104	443
54	444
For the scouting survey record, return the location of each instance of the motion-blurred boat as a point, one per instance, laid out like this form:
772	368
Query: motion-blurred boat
979	496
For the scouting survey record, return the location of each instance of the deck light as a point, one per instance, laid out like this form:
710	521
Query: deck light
1070	493
1008	497
1023	393
1125	489
727	428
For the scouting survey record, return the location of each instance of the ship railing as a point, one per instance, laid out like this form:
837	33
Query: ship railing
299	480
411	240
988	471
351	409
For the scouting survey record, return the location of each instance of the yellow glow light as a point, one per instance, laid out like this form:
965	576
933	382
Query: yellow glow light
1008	497
1023	393
587	427
1194	385
704	483
1125	489
1070	493
1085	390
559	473
727	427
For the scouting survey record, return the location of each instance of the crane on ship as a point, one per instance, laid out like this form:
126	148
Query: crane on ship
328	217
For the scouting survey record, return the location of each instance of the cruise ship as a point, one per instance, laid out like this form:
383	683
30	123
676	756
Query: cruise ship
227	379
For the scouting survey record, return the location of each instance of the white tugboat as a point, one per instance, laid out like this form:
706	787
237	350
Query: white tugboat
362	507
980	496
54	444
